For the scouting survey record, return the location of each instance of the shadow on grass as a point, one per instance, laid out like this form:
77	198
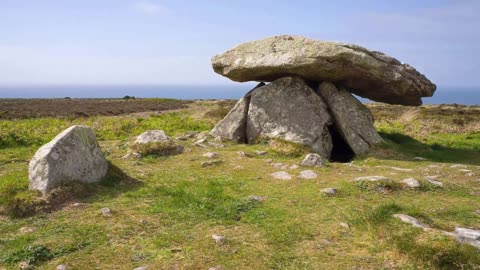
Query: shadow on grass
409	148
24	203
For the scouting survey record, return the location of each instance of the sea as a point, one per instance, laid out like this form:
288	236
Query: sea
443	95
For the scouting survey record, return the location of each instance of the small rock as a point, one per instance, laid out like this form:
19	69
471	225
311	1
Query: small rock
371	178
256	198
25	266
79	205
141	268
244	154
216	268
218	139
308	174
210	163
345	225
202	135
294	167
282	175
278	165
216	145
268	160
218	238
314	160
201	145
458	166
106	212
200	141
210	155
238	167
190	134
25	230
411	220
470	174
419	159
182	138
261	153
329	191
395	168
411	182
62	267
468	236
433	181
463	170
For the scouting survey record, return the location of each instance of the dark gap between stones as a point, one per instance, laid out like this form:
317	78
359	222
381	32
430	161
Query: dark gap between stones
341	151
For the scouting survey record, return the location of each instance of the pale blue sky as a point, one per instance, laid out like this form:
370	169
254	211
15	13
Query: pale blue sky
171	41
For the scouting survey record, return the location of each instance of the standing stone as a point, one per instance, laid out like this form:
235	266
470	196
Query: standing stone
72	156
290	110
369	74
233	126
352	119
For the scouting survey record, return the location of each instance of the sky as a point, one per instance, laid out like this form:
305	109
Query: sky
171	42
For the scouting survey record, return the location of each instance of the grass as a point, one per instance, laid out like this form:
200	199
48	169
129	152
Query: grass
165	208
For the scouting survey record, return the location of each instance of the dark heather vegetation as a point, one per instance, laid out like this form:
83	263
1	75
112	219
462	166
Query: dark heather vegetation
166	208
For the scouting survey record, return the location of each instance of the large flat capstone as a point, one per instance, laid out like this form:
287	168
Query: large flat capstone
369	74
72	156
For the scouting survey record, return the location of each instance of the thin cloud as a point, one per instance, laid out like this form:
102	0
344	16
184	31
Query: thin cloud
150	8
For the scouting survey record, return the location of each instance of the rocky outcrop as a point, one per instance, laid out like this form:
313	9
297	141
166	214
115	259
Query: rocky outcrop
290	110
369	74
72	156
352	119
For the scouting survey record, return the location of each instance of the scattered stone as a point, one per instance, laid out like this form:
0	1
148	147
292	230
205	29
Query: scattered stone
369	74
345	225
62	267
25	266
458	166
411	220
411	182
190	134
468	236
106	212
182	138
238	167
261	153
279	165
201	145
396	168
372	178
353	120
268	160
201	141
210	155
79	205
432	181
216	145
26	230
202	135
463	170
294	167
256	198
216	268
419	159
218	238
329	191
132	155
141	268
152	136
308	174
72	156
211	163
470	174
244	154
314	160
218	139
282	175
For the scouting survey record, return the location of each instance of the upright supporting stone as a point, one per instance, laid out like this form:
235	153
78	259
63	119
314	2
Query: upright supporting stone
352	119
289	109
72	156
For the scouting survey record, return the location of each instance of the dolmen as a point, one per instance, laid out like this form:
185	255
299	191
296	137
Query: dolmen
305	92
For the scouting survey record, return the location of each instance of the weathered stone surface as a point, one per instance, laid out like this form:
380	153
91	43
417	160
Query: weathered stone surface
352	119
372	178
282	175
233	127
152	136
313	160
289	109
329	191
411	182
411	220
72	156
308	174
369	74
468	236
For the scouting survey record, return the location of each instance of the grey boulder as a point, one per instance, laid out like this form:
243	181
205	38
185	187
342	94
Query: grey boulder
290	110
352	119
369	74
72	156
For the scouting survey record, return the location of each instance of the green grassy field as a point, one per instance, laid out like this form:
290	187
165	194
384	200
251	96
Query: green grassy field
165	209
